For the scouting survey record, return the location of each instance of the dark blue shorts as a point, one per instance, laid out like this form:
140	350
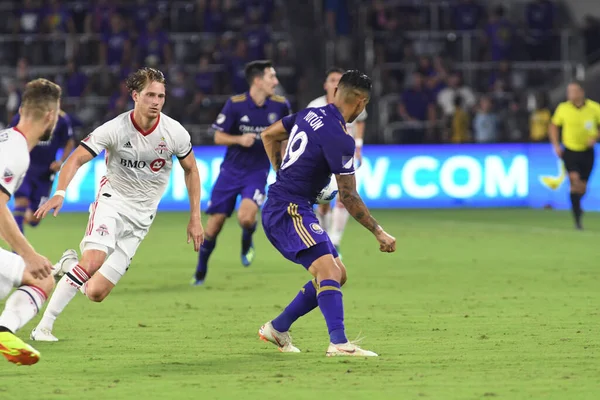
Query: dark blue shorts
230	185
294	230
36	188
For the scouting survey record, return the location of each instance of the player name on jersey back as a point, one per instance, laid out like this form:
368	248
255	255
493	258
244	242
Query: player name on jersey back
138	162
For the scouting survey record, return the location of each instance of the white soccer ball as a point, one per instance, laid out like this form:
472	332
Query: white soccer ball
329	192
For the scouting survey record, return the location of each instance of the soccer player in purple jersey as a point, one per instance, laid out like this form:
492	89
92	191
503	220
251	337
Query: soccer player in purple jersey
318	145
246	166
36	186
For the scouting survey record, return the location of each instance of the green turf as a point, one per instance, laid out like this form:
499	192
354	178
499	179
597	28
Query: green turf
474	304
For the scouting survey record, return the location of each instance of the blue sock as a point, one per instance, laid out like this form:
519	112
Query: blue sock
330	302
304	302
205	251
19	214
247	238
34	223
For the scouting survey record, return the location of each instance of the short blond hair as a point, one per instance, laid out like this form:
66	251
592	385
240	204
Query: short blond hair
40	96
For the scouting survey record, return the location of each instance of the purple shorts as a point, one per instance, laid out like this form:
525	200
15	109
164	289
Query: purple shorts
294	230
36	188
230	185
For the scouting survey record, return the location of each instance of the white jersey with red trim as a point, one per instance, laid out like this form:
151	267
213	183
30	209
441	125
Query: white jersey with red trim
138	162
350	127
14	160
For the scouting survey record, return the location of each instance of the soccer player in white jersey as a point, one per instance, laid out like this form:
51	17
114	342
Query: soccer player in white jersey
139	147
334	221
28	271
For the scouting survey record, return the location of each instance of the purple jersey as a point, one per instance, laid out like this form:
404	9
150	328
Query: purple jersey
318	146
241	115
44	153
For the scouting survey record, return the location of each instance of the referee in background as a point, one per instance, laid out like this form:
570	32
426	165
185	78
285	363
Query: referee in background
580	120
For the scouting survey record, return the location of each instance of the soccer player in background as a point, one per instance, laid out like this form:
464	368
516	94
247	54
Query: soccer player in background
580	120
318	145
334	221
139	145
245	168
28	271
37	184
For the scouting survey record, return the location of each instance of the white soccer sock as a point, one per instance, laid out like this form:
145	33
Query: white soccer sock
339	220
65	290
324	219
70	264
21	307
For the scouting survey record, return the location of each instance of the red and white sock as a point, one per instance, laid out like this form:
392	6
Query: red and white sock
65	290
21	307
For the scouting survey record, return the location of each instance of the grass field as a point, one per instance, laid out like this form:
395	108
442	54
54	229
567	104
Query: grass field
475	304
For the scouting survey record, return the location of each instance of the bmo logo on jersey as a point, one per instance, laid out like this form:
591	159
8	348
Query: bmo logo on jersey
155	165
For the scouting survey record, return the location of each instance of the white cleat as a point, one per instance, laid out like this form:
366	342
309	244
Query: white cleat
348	349
43	335
62	266
282	340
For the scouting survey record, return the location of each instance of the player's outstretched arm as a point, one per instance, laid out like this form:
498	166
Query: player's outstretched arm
272	139
79	157
359	211
195	231
38	265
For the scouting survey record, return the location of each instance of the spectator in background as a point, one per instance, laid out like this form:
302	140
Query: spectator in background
179	96
417	108
539	15
258	37
516	121
338	26
153	46
213	17
58	18
13	101
446	97
460	122
141	13
237	62
205	79
29	17
115	47
468	14
485	124
75	82
539	122
499	34
98	20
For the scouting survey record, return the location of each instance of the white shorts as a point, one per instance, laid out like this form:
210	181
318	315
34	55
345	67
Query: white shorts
12	268
108	230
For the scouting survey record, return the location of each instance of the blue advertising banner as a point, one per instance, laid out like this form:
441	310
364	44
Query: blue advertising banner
394	176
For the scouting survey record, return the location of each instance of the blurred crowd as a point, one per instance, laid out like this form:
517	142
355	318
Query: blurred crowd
91	46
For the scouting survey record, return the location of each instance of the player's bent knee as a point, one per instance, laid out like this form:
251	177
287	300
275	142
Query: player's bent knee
92	259
247	221
326	267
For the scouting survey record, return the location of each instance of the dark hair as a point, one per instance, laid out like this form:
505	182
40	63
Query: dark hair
256	69
40	95
356	80
139	79
334	70
499	11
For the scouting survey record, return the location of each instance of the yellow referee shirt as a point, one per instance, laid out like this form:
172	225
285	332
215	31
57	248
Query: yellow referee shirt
578	124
